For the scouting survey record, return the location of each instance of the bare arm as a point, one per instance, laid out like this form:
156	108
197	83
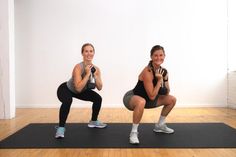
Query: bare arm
80	82
151	90
167	84
98	78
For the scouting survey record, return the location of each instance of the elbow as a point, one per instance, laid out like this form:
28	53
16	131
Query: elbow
78	89
152	98
99	88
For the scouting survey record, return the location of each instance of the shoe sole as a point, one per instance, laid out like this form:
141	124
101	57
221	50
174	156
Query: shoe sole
134	143
161	131
59	137
94	126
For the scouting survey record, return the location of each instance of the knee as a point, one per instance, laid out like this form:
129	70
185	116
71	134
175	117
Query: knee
98	99
170	101
67	101
173	100
141	104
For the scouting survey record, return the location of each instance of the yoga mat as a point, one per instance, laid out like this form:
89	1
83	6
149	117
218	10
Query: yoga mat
116	135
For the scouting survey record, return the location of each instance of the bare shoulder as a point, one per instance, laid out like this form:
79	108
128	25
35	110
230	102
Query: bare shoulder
146	74
77	69
77	66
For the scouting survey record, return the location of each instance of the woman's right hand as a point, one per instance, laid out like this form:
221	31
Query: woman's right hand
88	69
159	74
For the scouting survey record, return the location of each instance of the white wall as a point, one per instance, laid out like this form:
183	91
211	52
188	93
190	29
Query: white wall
7	62
232	89
50	33
231	54
231	35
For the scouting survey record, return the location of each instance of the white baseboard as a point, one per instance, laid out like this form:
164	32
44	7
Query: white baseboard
111	105
233	106
231	97
74	105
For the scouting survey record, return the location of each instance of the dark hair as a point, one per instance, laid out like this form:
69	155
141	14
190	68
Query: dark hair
86	44
155	48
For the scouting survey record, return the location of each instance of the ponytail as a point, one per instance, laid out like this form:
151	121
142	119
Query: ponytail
151	68
150	65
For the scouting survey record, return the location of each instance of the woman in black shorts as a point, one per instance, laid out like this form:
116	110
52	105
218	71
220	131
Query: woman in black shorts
152	90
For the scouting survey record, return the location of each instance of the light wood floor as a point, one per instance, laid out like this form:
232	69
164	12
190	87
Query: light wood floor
26	116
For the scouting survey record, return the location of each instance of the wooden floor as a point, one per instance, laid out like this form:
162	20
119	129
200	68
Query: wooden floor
26	116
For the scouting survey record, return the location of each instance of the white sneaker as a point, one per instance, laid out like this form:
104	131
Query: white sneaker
133	138
96	124
163	128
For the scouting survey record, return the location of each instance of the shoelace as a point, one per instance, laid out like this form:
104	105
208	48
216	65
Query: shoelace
56	127
98	122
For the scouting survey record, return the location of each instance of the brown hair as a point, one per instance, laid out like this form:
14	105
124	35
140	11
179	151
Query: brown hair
87	44
155	48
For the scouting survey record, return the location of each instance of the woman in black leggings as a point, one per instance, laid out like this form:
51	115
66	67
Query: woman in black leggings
85	78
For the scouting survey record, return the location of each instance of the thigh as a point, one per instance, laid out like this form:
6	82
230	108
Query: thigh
126	99
88	95
64	94
165	100
136	100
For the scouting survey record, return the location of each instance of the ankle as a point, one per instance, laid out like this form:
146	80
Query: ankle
135	127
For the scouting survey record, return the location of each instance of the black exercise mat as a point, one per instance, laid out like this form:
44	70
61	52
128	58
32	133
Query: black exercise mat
78	135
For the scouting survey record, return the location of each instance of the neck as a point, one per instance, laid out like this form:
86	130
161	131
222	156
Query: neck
87	62
155	66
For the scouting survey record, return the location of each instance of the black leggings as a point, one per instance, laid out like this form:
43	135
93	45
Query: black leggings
65	96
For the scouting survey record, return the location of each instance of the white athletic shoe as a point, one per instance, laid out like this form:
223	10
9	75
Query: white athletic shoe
163	128
96	124
133	138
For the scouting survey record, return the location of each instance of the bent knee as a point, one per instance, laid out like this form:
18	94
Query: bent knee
141	103
169	100
138	103
96	99
99	98
172	100
66	101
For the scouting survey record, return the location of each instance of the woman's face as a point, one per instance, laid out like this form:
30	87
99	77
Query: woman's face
88	53
158	57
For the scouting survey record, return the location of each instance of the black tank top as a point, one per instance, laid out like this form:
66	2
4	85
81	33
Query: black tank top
140	90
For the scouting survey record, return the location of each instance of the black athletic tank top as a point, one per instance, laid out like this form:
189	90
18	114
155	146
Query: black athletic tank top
140	90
